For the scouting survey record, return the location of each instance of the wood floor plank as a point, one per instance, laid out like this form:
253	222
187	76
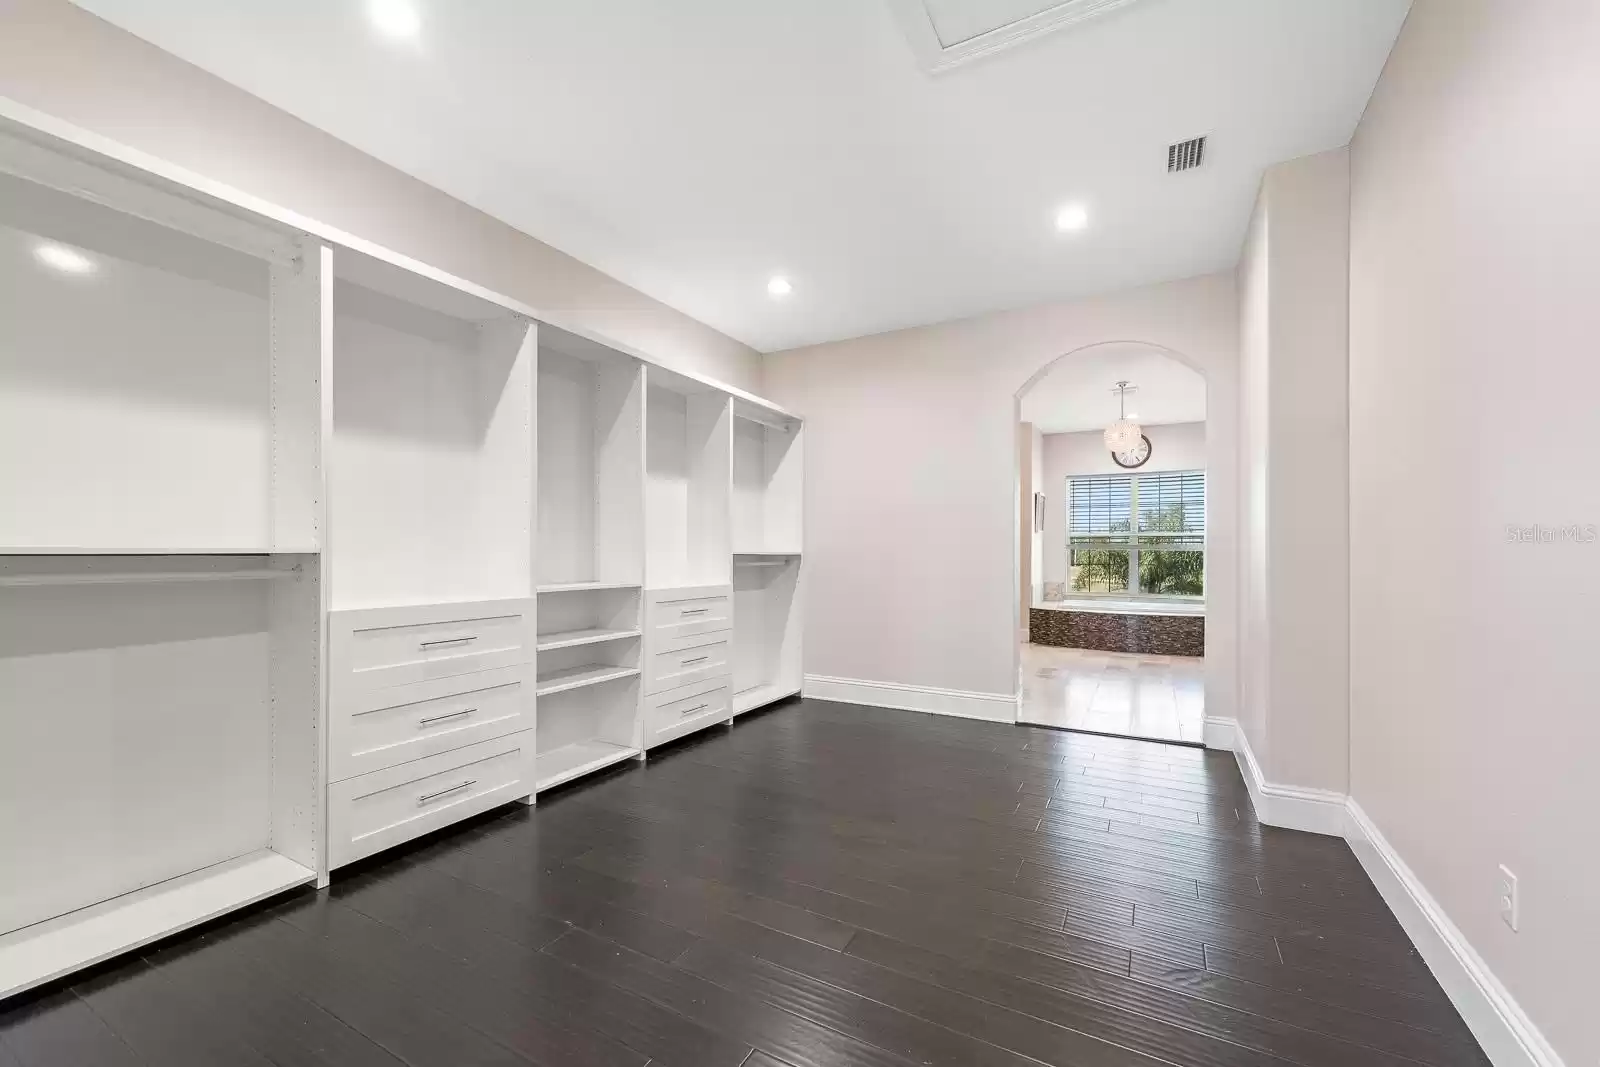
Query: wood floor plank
796	1040
58	1029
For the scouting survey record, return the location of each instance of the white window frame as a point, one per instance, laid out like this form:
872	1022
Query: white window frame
1131	544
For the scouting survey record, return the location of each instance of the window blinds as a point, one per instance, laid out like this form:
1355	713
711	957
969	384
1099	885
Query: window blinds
1170	505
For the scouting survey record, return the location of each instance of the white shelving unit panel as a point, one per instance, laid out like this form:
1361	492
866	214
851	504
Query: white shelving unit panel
573	638
760	696
584	587
576	760
688	472
47	950
768	482
432	470
563	679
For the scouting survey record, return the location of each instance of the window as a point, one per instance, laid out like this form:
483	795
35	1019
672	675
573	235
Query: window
1140	534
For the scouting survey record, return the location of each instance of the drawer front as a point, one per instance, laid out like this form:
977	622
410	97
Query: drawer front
675	613
683	711
382	647
686	660
375	811
370	729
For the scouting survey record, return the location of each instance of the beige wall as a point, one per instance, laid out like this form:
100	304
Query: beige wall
1255	638
1474	401
911	460
1179	446
63	61
1293	321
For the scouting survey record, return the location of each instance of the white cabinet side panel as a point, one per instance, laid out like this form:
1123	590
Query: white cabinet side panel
566	470
710	429
301	399
667	488
619	474
749	485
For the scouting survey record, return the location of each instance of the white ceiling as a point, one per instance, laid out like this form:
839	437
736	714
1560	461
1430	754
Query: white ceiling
1079	393
695	148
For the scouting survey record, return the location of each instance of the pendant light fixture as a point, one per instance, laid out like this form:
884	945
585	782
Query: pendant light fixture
1124	434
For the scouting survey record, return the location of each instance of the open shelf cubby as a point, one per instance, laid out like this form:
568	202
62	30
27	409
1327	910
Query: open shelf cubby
590	557
432	465
766	630
159	748
767	484
688	469
150	378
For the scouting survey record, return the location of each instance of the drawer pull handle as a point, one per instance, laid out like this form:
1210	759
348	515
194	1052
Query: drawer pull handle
448	641
691	711
695	611
446	792
431	719
697	659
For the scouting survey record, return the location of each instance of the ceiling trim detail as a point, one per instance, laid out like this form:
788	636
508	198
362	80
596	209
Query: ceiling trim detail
935	57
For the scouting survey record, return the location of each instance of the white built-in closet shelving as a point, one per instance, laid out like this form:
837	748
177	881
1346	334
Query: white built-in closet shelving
160	570
308	550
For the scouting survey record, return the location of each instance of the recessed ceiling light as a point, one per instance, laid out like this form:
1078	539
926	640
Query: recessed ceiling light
779	286
1072	217
64	259
396	18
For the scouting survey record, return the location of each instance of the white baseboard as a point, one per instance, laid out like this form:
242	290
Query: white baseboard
1219	733
993	707
1507	1035
1317	811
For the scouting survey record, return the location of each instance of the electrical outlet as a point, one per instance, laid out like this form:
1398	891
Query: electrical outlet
1510	909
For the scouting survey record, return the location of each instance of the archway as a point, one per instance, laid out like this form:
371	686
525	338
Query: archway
1111	550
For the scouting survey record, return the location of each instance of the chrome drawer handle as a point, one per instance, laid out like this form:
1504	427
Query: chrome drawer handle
446	792
449	641
695	611
697	707
430	720
697	659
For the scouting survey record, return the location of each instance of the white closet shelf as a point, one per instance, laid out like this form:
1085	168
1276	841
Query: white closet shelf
38	953
562	680
777	555
756	696
575	760
573	638
155	550
585	587
141	577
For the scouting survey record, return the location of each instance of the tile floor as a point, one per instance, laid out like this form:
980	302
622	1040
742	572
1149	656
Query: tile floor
1159	697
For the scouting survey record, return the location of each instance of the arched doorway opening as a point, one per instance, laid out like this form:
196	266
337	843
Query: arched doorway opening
1111	547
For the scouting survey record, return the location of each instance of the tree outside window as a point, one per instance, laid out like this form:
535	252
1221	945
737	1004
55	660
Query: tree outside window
1163	557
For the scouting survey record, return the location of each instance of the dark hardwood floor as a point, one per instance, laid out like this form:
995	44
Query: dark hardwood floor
821	884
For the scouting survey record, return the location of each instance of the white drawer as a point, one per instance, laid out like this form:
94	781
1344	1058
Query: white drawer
683	711
375	811
674	613
376	648
370	729
685	660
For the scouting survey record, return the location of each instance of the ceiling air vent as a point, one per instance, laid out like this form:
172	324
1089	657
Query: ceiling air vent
1186	155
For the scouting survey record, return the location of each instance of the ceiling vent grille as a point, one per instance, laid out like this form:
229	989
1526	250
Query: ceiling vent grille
1186	155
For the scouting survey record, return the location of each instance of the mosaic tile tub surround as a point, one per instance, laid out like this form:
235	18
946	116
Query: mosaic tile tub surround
1106	631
